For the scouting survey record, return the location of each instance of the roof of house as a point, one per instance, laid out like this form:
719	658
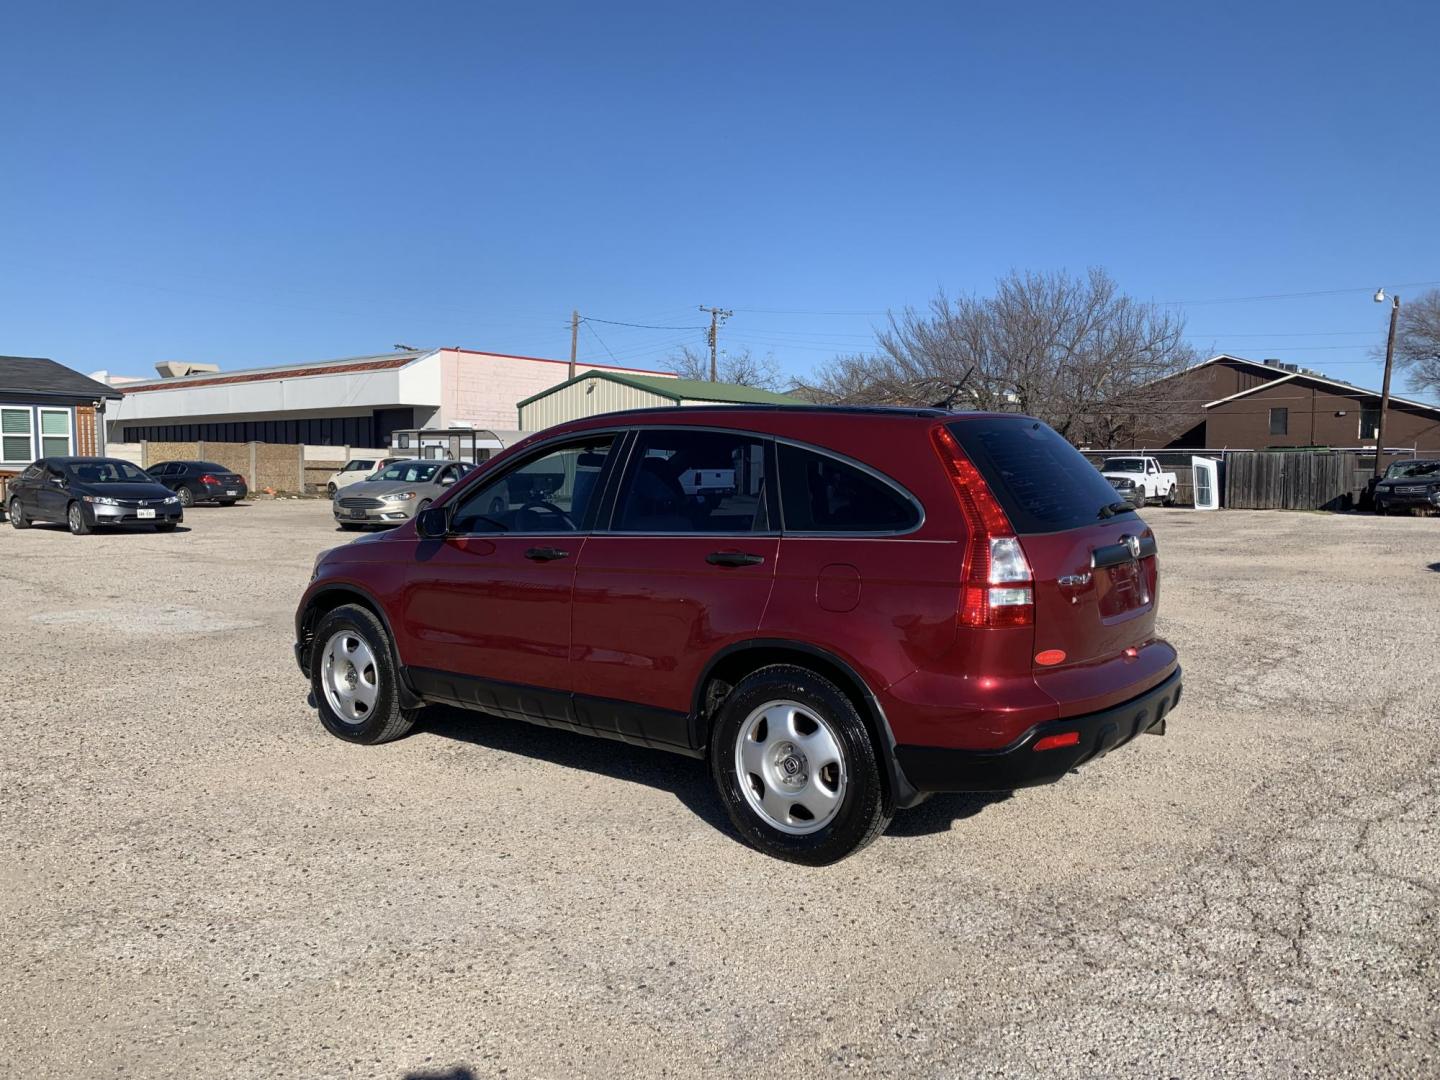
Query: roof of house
38	377
1284	375
373	362
678	390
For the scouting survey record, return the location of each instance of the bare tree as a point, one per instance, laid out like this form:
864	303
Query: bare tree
1417	341
742	368
1074	351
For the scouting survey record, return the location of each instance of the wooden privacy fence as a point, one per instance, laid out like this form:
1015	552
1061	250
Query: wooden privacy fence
1293	480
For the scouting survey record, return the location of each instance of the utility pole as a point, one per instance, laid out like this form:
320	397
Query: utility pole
716	315
1385	386
574	339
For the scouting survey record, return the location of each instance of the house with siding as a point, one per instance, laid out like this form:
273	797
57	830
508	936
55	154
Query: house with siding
1229	402
47	410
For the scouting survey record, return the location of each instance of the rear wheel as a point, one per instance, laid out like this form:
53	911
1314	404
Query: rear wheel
355	679
17	514
75	518
796	768
1169	499
187	497
330	490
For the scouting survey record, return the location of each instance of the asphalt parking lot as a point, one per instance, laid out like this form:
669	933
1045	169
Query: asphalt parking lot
197	881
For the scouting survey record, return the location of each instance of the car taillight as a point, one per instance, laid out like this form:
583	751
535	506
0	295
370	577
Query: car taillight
208	479
998	586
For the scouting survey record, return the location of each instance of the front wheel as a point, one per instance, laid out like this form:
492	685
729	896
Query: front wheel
17	514
796	768
355	679
75	518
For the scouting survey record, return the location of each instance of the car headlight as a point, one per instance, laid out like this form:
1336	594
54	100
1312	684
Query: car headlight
100	500
399	496
171	499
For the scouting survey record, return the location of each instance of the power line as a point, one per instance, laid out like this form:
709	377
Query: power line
638	326
1294	296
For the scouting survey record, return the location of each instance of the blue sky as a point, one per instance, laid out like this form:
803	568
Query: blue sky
258	183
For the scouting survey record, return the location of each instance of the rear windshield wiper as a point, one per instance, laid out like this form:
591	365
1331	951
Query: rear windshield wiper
1109	510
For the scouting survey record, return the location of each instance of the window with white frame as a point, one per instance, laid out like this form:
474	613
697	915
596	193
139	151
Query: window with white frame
17	435
55	433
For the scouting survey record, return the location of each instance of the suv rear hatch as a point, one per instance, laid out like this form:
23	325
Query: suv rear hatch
1093	561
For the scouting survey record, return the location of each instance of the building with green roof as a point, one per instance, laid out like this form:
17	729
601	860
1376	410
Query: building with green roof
595	392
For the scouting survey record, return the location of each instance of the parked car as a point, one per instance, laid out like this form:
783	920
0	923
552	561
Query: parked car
1147	475
888	603
355	471
1129	490
1409	484
397	492
200	481
85	492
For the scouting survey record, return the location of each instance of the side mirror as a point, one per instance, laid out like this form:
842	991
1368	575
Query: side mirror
433	523
447	481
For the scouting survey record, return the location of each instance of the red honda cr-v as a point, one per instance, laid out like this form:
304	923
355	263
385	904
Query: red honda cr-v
841	609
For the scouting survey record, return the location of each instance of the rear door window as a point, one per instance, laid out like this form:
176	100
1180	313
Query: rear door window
822	494
690	481
1043	483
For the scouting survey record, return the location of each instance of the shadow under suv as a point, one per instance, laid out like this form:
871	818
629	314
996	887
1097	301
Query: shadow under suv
841	609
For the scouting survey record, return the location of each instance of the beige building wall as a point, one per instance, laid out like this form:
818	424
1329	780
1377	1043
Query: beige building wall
588	397
483	389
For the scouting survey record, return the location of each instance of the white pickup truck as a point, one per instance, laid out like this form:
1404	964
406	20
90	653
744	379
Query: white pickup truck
1145	473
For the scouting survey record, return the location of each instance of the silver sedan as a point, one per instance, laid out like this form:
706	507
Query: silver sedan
396	493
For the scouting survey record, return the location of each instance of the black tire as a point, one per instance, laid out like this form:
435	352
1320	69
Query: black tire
1169	499
865	808
165	526
187	497
330	487
17	514
384	721
75	520
1381	510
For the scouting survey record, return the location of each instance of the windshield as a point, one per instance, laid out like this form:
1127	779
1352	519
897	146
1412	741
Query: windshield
106	472
1123	464
410	472
1414	468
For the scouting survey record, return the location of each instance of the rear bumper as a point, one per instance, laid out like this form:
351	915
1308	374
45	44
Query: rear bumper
224	492
935	768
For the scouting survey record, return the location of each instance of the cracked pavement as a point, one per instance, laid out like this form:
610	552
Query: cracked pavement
197	881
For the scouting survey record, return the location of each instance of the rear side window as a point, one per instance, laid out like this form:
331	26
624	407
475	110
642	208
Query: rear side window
819	493
683	481
1043	483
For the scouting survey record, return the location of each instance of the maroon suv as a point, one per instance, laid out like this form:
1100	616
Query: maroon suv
841	609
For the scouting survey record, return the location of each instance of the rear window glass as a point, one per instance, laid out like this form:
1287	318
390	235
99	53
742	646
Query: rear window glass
1043	483
819	493
210	466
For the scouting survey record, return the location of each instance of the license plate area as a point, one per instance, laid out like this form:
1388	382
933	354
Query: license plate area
1124	589
143	514
233	491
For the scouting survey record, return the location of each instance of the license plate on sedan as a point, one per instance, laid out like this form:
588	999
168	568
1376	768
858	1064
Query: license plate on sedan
355	513
233	491
145	513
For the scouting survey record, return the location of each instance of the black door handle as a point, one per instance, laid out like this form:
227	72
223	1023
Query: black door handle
546	554
733	558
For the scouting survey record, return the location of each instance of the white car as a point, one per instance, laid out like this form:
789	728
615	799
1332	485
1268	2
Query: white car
355	471
1145	473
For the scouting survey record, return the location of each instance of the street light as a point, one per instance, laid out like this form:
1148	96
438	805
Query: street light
1385	386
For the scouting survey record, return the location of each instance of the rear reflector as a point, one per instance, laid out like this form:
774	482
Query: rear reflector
1050	657
1054	742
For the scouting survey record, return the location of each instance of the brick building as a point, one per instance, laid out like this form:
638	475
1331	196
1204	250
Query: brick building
356	401
1229	402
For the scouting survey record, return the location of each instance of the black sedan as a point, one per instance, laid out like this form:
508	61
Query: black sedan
1127	490
83	492
200	481
1408	485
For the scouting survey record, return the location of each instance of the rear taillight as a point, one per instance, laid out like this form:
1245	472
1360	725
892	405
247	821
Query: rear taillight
208	479
998	586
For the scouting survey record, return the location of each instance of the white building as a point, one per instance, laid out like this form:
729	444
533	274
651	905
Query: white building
357	401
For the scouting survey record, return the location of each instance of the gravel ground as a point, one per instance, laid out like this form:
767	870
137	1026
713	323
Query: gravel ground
197	881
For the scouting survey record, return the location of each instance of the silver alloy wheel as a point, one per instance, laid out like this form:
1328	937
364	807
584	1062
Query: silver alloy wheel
187	498
77	518
349	676
790	767
17	513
